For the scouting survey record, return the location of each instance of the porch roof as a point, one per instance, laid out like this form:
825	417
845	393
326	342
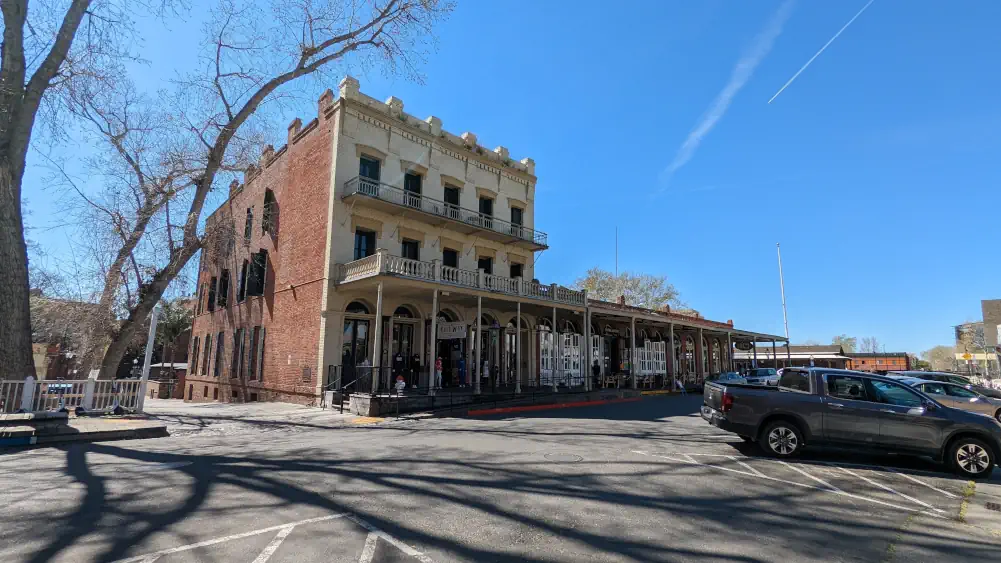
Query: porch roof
600	307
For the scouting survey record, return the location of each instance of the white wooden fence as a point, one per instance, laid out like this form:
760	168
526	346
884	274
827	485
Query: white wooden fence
30	396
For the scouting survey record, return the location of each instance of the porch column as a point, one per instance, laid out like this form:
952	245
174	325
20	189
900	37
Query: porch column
377	352
517	351
788	354
477	342
433	339
729	352
775	356
754	359
670	355
699	351
389	338
556	350
588	352
632	350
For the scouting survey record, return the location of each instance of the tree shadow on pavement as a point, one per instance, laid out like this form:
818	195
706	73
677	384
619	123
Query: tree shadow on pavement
449	501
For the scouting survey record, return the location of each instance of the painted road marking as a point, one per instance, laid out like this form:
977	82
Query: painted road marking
367	420
148	557
746	466
920	482
795	484
885	488
395	542
368	552
817	479
273	546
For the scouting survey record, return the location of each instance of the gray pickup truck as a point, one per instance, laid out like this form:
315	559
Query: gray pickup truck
829	407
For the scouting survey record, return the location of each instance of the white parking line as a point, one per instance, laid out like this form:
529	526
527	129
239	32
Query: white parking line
368	552
885	488
148	557
920	482
273	546
395	542
817	479
802	485
746	466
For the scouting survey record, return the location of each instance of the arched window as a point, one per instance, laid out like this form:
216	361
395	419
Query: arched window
487	321
403	312
545	323
641	338
569	327
677	356
357	308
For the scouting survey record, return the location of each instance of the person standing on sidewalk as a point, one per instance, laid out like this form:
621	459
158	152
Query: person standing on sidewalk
437	373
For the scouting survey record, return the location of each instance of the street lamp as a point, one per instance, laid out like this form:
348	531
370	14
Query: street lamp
135	366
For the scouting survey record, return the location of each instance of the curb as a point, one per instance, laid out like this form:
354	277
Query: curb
504	410
102	436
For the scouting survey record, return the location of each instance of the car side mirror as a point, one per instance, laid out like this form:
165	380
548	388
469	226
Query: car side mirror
929	406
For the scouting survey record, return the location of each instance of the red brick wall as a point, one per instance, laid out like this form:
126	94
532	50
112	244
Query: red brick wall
289	310
880	363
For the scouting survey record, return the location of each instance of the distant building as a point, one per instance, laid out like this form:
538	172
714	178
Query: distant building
832	356
879	361
975	353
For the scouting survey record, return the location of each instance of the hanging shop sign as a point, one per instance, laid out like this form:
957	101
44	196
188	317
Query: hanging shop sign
449	331
745	346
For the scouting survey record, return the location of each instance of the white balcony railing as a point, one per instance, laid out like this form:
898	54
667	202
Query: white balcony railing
404	198
382	263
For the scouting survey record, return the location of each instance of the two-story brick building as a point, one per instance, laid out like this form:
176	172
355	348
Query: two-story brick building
375	242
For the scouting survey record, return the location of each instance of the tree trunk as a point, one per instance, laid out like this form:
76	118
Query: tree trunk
150	294
15	324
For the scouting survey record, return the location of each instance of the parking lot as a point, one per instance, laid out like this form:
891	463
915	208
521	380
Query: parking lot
646	481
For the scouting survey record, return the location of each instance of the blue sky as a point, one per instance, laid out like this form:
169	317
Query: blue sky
876	169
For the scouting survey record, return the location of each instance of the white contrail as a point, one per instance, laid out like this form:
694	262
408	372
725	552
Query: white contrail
840	31
738	77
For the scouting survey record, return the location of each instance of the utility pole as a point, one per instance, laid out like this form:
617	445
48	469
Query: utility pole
782	288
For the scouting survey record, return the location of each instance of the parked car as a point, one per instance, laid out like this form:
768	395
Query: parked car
761	376
830	407
948	378
957	396
727	377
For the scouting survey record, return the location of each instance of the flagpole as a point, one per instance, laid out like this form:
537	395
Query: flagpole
782	287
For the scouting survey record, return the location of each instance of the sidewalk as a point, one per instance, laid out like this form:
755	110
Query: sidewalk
29	431
221	419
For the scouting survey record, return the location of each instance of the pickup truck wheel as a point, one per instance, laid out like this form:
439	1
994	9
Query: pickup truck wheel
971	458
781	439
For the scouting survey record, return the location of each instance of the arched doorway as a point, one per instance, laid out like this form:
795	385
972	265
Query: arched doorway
688	365
405	356
705	357
487	336
450	346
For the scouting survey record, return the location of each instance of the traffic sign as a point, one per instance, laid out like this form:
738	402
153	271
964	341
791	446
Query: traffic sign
967	356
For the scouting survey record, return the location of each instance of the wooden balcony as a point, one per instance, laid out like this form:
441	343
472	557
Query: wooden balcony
382	263
394	200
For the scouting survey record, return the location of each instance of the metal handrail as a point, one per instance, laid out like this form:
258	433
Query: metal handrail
385	192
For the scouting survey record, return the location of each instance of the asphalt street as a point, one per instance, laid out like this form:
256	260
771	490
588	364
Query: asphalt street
643	481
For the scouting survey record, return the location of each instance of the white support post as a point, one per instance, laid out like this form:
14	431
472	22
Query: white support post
517	348
88	394
556	345
775	356
436	267
671	357
477	342
586	367
480	281
377	351
729	352
28	394
754	355
434	342
153	317
700	367
632	350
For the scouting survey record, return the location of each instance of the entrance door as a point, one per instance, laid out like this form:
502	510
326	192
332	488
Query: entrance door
354	348
510	361
546	364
